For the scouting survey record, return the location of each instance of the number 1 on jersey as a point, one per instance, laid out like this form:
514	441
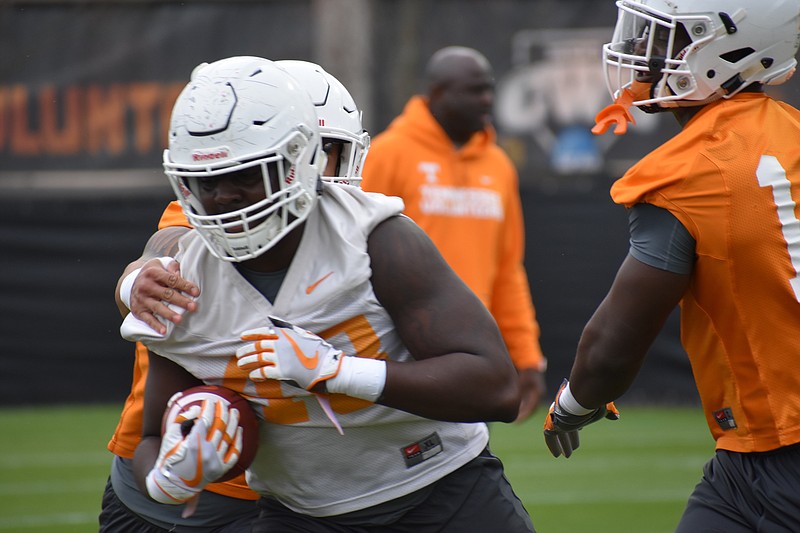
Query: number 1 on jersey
770	173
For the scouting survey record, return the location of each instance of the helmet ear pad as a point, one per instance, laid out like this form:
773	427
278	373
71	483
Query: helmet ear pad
234	114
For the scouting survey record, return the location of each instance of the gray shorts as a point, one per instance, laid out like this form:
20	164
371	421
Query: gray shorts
476	498
126	509
746	492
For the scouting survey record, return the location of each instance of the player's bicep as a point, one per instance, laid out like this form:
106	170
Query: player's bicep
164	242
640	300
434	312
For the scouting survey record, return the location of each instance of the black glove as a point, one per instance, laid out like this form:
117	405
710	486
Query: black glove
561	428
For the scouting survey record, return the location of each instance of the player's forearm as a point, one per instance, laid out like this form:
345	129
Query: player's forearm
606	364
144	459
619	334
454	388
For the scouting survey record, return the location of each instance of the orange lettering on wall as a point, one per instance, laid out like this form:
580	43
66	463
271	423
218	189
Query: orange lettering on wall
79	120
144	100
23	140
105	119
3	117
60	137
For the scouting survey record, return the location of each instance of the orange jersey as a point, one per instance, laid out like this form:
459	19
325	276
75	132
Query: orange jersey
467	201
732	177
129	429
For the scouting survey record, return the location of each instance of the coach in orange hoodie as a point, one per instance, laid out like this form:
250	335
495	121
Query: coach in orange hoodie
441	158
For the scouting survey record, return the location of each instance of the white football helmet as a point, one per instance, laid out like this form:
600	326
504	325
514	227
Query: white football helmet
338	115
692	52
235	114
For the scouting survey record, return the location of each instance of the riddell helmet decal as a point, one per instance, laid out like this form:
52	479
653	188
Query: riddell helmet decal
210	154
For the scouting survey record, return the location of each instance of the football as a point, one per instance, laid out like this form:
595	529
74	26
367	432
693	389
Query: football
247	420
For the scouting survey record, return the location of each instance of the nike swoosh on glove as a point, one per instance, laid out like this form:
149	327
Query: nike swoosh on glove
190	460
561	427
292	354
287	353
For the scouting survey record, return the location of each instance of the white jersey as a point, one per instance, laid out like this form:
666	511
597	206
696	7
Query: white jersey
302	460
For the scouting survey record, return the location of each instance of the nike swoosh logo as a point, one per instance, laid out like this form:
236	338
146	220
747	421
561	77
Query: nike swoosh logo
308	362
198	477
314	285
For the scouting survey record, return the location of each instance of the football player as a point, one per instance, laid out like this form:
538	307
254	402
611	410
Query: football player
713	226
315	290
230	504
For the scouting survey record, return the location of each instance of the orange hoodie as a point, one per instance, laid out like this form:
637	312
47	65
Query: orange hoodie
467	201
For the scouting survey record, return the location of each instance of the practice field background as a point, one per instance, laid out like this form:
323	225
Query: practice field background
630	476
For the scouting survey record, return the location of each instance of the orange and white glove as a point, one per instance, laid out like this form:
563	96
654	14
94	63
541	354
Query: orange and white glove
289	353
198	447
292	354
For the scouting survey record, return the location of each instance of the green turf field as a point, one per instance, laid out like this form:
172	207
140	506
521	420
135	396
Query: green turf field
633	475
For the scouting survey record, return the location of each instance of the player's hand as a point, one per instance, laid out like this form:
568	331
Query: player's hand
532	388
561	428
159	291
196	449
286	352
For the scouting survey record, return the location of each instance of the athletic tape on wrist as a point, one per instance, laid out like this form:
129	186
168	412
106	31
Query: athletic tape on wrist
569	404
359	377
127	283
126	286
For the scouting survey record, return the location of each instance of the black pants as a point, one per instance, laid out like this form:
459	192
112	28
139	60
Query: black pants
115	517
746	493
476	498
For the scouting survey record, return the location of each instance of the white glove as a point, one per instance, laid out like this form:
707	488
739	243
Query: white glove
288	353
198	447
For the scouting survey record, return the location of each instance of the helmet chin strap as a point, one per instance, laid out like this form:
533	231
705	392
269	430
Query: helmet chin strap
696	103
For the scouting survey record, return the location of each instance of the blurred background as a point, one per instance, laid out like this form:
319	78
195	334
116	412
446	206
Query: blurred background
86	89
